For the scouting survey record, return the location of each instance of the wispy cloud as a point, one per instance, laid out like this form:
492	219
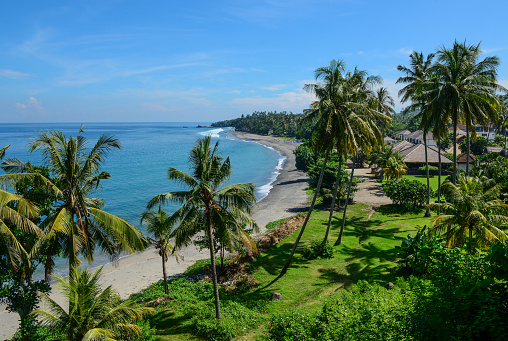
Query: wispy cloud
32	104
274	87
5	73
288	101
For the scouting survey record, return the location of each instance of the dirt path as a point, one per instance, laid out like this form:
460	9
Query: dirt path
370	191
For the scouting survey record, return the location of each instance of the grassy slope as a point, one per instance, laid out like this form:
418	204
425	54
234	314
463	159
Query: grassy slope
367	252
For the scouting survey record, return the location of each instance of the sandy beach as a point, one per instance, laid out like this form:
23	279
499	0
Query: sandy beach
135	272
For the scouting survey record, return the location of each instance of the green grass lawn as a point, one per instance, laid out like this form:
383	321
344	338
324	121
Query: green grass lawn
367	252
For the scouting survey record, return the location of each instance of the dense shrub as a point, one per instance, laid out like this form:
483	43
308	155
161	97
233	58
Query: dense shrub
410	193
304	157
235	319
318	250
368	312
416	253
433	170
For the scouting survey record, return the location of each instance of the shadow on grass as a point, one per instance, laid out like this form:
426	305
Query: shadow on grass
400	209
168	322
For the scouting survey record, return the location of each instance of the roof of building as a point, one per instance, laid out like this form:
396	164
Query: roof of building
404	132
463	157
418	135
496	150
389	140
415	153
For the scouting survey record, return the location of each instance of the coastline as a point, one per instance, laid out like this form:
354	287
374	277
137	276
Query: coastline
134	273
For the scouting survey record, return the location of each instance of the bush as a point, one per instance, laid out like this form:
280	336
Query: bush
318	250
410	193
417	252
304	157
294	325
433	170
368	312
235	320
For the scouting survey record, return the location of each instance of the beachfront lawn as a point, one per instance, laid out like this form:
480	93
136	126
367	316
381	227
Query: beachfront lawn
367	252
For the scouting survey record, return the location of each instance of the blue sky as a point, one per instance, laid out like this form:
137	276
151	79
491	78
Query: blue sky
154	61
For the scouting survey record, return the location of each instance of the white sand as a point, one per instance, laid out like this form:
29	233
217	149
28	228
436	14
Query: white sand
136	272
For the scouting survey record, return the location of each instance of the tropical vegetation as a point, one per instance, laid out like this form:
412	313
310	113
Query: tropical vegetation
93	313
206	207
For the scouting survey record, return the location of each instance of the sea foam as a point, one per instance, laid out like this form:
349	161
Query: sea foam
212	133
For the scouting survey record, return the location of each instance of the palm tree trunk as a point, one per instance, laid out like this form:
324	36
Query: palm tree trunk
439	176
166	289
332	208
214	270
302	229
427	211
454	177
468	148
339	239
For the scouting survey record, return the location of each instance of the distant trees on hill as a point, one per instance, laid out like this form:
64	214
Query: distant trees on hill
268	123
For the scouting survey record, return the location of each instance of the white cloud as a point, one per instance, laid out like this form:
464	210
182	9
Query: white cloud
274	87
405	51
5	73
503	82
32	104
288	101
235	92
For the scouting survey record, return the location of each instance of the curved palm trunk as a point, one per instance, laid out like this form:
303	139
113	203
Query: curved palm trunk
214	270
166	289
454	178
339	239
427	211
332	208
302	229
439	176
468	148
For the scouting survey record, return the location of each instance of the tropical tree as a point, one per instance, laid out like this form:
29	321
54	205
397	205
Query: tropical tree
416	78
503	117
464	88
207	207
321	117
158	224
395	167
384	103
359	118
18	235
78	224
475	213
94	313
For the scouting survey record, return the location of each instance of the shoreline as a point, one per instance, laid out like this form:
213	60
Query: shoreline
133	273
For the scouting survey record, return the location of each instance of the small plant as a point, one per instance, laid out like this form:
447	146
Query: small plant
416	252
433	170
318	250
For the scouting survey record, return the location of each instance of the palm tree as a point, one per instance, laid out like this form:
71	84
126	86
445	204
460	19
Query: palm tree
158	224
395	167
416	78
384	103
465	88
78	222
503	116
208	207
321	116
94	313
475	212
359	118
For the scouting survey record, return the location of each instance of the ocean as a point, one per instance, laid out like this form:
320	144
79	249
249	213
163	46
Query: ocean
139	170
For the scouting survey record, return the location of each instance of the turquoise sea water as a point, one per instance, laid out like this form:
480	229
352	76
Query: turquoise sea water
138	170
